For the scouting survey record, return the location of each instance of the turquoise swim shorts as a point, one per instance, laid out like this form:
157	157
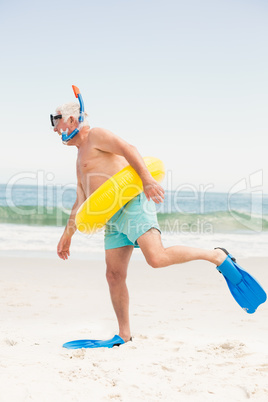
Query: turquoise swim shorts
130	222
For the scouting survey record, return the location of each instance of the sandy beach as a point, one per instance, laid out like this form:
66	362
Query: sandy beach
191	341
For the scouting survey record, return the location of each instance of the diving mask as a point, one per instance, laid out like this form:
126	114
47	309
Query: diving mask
55	119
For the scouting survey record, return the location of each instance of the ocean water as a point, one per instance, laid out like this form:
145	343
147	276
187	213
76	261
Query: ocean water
32	220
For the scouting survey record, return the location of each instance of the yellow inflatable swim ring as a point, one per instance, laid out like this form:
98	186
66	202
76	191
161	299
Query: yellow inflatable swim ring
113	195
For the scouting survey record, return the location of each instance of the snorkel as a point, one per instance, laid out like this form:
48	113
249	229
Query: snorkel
65	137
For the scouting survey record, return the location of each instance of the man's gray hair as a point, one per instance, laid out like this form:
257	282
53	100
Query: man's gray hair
71	109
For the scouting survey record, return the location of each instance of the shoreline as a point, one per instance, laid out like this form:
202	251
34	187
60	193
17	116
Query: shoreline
98	256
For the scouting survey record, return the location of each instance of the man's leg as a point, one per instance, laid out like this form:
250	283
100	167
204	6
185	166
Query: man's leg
157	256
117	260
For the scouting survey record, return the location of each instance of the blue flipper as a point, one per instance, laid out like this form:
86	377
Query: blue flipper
245	289
91	343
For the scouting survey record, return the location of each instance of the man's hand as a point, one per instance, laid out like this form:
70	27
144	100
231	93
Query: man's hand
153	190
63	249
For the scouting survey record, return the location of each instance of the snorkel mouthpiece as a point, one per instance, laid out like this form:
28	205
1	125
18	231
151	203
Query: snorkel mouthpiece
65	137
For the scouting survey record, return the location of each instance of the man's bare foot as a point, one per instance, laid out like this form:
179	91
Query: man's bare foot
220	256
126	338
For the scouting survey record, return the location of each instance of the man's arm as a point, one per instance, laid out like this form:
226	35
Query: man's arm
70	228
63	249
106	141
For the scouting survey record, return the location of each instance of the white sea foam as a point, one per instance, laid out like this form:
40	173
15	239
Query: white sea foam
43	240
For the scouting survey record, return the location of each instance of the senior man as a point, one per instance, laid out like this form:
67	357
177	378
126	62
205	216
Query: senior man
100	155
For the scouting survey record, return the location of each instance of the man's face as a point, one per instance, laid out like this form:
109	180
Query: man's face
62	126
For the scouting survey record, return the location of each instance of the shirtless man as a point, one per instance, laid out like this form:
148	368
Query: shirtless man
101	154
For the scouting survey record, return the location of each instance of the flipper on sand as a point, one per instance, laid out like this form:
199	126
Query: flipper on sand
93	343
245	289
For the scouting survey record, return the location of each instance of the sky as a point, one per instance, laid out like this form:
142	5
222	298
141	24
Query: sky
185	81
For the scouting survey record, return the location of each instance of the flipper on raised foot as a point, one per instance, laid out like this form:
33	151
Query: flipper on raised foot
93	343
245	289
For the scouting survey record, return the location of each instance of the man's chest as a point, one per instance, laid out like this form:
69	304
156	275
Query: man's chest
88	161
